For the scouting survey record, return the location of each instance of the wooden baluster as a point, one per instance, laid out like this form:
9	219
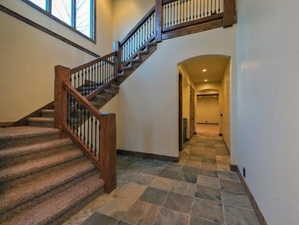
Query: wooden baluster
62	75
108	151
159	20
229	13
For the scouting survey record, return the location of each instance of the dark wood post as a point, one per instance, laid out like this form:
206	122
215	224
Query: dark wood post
229	17
62	74
159	20
119	56
108	151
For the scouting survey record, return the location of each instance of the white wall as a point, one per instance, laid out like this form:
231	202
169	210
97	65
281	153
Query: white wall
148	100
28	57
208	110
266	105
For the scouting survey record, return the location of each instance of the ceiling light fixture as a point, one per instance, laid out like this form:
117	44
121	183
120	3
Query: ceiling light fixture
205	80
204	70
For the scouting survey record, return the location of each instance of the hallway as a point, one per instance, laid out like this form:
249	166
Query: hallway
199	190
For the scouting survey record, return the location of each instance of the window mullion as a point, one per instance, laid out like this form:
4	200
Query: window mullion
74	13
92	19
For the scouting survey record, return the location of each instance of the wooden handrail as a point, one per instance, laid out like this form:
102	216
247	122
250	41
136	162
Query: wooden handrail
82	100
137	26
103	58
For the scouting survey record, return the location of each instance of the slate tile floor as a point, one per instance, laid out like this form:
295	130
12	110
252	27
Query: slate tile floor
199	190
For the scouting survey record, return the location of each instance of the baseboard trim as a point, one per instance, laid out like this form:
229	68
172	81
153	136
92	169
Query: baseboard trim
256	208
147	155
6	124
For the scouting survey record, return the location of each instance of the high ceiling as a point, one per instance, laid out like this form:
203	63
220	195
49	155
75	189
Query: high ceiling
214	64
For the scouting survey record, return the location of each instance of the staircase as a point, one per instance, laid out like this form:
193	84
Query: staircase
65	154
43	177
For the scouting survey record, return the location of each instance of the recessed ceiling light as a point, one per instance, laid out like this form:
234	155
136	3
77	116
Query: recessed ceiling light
205	80
204	70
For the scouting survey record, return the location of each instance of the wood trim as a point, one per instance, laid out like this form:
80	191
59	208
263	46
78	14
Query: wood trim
46	30
63	23
254	204
206	95
193	29
84	101
194	22
229	17
147	155
136	27
159	20
108	151
103	58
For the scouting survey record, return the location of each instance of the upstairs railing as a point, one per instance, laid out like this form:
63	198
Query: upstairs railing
171	15
95	133
91	76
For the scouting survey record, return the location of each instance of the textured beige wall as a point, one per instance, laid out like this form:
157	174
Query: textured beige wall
28	57
208	110
126	15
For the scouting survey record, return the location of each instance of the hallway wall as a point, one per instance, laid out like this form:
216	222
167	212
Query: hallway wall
147	111
265	135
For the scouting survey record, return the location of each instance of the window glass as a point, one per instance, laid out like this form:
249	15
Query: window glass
84	17
62	9
39	3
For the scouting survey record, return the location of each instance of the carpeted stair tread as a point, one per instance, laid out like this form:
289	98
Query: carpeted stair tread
41	119
31	166
10	197
48	112
25	132
29	149
53	208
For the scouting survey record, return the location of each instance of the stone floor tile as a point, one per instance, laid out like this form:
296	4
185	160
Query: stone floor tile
195	220
154	196
184	188
212	182
236	216
162	183
228	175
141	213
204	192
173	172
170	217
207	209
178	202
232	187
225	159
236	200
100	219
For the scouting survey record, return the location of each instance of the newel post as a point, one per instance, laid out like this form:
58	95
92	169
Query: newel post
108	151
159	20
62	74
229	17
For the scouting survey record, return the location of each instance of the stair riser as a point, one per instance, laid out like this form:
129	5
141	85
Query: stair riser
12	177
41	124
61	217
6	162
52	188
48	114
10	143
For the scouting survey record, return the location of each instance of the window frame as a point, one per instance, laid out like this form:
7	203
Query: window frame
48	12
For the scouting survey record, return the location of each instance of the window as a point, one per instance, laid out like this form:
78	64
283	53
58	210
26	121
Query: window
77	14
